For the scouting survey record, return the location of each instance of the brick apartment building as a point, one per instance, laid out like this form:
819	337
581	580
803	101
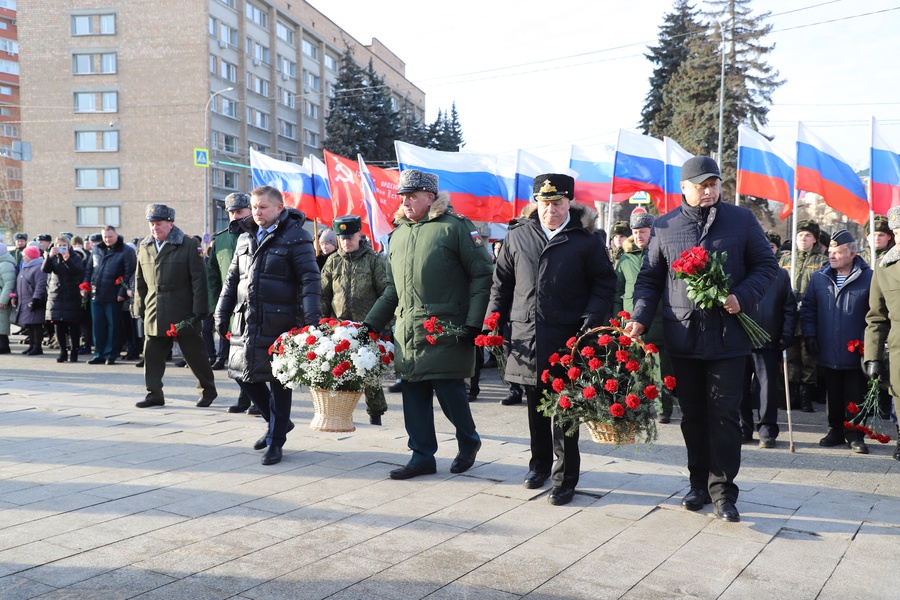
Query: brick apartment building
117	94
10	168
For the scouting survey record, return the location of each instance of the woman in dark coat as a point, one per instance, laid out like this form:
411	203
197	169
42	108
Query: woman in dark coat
65	271
31	298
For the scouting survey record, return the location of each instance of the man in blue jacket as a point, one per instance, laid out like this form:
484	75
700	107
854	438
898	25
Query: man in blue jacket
708	347
832	314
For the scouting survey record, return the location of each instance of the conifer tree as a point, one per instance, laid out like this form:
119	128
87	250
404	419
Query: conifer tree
347	127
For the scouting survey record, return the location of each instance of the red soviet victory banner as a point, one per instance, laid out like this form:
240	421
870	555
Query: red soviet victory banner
346	193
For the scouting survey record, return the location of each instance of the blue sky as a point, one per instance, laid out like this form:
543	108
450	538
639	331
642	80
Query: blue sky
540	76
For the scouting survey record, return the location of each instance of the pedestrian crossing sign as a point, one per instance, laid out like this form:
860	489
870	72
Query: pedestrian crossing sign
201	157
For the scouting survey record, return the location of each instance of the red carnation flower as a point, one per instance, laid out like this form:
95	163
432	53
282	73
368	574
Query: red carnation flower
571	342
588	352
622	355
554	358
429	325
624	314
228	336
632	401
565	359
574	373
614	322
617	410
374	336
386	359
624	340
310	356
852	408
650	392
430	339
669	382
604	340
564	403
594	364
651	348
310	340
589	393
558	385
632	365
545	376
611	385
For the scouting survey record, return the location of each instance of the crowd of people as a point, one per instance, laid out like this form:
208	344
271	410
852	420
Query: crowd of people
551	278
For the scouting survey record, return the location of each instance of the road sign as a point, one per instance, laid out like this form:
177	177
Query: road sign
201	157
206	238
639	198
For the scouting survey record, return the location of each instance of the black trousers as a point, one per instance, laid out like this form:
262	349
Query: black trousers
766	365
709	392
548	440
68	335
274	408
843	387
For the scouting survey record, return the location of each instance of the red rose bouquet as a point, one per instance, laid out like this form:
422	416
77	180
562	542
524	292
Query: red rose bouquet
607	380
869	411
708	285
85	287
493	341
437	329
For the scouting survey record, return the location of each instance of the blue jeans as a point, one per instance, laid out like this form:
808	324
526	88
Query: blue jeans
107	323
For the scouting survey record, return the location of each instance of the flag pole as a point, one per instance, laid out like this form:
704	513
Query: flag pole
787	397
869	190
316	236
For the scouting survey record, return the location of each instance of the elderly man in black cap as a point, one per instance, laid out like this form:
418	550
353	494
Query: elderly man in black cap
708	347
172	300
437	267
353	278
552	280
832	314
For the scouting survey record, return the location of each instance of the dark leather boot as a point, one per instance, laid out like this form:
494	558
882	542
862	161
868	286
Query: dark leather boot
807	393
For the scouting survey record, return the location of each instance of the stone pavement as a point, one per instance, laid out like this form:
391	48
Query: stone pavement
99	499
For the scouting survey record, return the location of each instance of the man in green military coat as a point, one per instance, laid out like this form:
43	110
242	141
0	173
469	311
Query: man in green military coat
170	286
437	267
353	278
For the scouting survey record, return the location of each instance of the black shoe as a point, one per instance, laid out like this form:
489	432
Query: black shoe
36	351
253	410
140	364
272	456
859	447
511	398
111	361
374	419
664	419
747	438
766	442
560	495
205	401
96	361
180	363
149	403
471	397
62	357
262	443
464	460
395	387
695	499
411	470
73	357
726	511
896	454
219	365
535	480
833	438
132	356
238	408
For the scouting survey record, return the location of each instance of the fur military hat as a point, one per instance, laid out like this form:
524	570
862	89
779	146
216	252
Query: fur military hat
824	239
413	180
160	212
773	238
700	168
894	218
347	225
841	237
21	236
553	186
44	237
621	228
95	238
881	224
810	226
641	218
237	201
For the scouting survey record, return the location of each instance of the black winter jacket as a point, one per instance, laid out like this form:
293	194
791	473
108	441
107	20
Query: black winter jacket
689	331
105	266
777	312
270	289
63	295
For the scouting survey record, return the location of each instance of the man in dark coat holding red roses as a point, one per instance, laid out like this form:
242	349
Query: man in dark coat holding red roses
553	278
708	347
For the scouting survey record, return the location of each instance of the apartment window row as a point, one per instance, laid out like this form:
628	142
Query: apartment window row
227	107
312	81
311	49
257	84
310	109
257	118
257	15
225	179
310	138
9	131
97	141
88	102
222	68
9	46
258	52
284	32
97	24
97	179
287	67
10	67
287	129
93	64
224	142
96	216
287	97
331	62
227	36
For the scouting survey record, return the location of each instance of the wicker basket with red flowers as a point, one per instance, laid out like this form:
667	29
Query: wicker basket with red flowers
608	381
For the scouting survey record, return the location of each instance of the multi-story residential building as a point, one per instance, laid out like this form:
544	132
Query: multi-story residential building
10	167
117	95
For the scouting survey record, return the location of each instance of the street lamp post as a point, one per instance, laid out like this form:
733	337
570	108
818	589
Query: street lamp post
207	196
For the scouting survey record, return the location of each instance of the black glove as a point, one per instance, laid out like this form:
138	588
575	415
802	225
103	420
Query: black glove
873	369
812	345
471	334
364	330
788	341
222	329
36	304
201	316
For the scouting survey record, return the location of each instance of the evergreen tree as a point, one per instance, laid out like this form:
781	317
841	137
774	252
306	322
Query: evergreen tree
412	129
384	121
347	127
674	36
454	130
436	132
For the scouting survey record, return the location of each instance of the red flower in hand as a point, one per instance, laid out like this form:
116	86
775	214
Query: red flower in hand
852	408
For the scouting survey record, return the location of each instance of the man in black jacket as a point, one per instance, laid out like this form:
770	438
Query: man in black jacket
274	268
109	261
708	347
552	278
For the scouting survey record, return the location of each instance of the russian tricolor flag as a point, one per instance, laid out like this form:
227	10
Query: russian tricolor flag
379	223
676	156
472	180
321	190
821	169
639	166
529	166
884	173
292	180
763	171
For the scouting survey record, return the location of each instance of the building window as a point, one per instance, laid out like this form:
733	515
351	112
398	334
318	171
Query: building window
92	64
288	130
257	118
225	142
310	49
257	84
10	67
259	148
9	46
310	138
225	179
97	179
228	71
86	102
93	24
95	216
14	173
228	34
96	141
257	15
228	3
288	68
228	107
9	131
287	97
258	52
331	63
8	4
5	111
284	32
311	110
107	24
5	90
312	81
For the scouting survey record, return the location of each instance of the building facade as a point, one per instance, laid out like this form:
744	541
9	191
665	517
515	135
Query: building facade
117	95
10	166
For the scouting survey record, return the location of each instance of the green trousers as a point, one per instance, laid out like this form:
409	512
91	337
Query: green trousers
157	348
